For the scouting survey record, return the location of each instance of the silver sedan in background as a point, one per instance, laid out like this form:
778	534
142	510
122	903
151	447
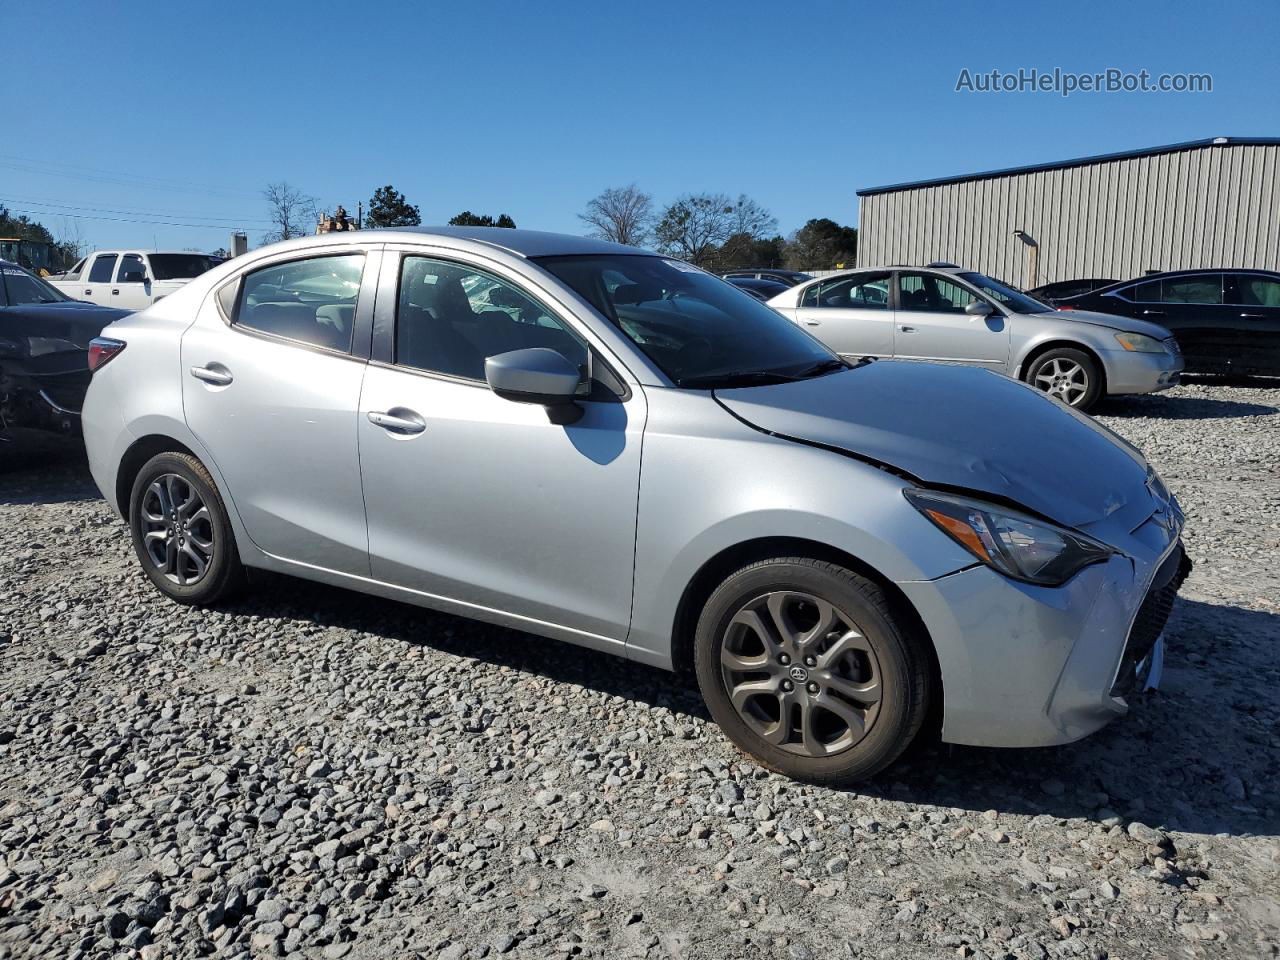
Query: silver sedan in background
455	417
953	315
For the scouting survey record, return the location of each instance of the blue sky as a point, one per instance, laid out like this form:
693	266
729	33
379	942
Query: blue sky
183	112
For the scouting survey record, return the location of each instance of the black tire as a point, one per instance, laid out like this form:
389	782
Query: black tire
895	656
1041	375
223	574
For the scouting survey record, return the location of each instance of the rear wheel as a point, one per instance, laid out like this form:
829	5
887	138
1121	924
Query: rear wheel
1070	375
180	531
805	667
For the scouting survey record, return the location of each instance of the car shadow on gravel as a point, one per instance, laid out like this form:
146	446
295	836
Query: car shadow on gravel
1177	760
40	467
1183	408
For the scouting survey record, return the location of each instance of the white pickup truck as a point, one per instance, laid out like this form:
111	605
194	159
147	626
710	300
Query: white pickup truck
130	279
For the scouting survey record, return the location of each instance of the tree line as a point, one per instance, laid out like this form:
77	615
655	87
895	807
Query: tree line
711	230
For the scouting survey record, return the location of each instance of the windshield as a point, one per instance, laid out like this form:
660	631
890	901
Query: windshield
180	266
1015	300
700	330
21	287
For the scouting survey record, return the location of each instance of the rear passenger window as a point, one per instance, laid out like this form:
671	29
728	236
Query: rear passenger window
450	318
312	301
103	268
863	292
1192	289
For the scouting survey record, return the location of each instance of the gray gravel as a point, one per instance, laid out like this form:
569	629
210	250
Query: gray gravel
312	773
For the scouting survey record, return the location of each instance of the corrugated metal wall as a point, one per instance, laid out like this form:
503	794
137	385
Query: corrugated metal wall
1213	206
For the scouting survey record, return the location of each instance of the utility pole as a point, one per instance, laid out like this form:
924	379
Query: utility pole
359	214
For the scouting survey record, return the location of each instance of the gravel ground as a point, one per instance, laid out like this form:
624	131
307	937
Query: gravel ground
312	773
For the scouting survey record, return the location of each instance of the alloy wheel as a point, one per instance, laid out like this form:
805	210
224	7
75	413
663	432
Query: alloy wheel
1063	378
177	529
800	674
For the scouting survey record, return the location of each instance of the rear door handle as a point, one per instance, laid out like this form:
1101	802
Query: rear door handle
814	323
213	375
1253	316
87	292
1153	313
907	329
115	293
409	423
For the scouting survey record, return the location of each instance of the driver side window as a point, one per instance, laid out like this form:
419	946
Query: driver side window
928	293
450	318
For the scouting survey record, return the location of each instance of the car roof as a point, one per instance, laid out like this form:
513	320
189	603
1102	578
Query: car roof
523	243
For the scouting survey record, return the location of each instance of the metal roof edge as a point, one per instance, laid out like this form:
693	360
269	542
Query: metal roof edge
1076	162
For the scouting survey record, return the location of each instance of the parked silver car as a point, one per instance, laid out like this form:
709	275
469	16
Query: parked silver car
456	418
953	315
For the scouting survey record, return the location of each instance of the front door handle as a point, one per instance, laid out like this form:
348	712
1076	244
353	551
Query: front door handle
1253	316
213	375
87	292
907	329
1153	313
407	422
814	323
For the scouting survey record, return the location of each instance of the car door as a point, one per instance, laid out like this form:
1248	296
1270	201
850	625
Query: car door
480	501
271	374
132	289
850	314
931	323
98	280
1251	329
1191	307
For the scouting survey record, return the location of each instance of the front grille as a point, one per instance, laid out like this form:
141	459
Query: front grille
1151	618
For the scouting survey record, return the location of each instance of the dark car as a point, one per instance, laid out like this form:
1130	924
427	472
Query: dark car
1052	293
1226	321
44	352
787	278
762	290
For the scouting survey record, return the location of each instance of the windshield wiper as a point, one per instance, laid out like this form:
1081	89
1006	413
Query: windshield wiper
735	378
821	367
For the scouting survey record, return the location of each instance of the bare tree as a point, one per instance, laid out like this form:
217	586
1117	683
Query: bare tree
752	219
694	226
621	214
291	210
70	242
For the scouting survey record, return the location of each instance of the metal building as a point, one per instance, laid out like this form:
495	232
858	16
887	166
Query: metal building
1204	203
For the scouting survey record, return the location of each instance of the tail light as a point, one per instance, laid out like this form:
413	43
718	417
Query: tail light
102	349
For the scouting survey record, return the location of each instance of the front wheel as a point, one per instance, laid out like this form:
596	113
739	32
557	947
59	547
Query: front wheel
181	532
804	667
1070	375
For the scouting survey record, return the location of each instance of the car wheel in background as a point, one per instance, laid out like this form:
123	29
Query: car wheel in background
804	666
1071	376
180	531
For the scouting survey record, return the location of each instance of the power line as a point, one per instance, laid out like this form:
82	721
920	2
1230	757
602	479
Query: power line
154	223
134	213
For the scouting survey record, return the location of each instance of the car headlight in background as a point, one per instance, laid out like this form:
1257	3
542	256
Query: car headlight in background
1140	343
1021	547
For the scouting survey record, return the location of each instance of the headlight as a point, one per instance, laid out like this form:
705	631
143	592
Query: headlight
1016	545
1140	343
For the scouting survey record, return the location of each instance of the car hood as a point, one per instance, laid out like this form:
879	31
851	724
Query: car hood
1113	321
959	427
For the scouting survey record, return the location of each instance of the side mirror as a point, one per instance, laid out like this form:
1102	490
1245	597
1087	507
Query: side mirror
979	308
534	375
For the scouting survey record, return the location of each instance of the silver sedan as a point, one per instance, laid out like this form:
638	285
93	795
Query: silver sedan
953	315
594	444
